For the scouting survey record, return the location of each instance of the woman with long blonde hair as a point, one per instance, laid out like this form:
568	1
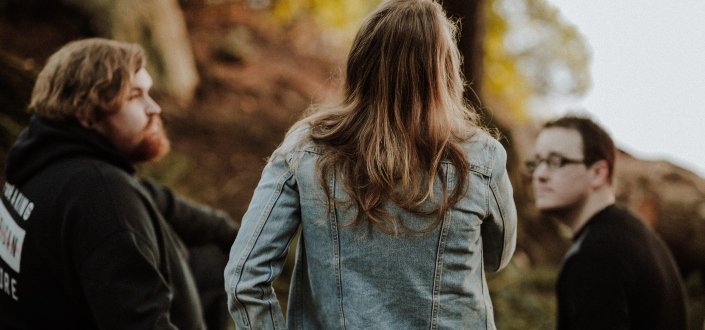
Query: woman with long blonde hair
403	201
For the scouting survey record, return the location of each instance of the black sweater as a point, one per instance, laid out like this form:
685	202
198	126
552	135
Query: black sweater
85	244
618	274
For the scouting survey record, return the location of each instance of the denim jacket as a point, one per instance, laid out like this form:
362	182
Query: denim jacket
346	277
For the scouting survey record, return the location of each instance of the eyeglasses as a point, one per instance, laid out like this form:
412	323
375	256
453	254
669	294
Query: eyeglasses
553	161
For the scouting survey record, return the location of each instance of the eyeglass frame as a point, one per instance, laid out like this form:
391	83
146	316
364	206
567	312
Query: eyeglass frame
554	161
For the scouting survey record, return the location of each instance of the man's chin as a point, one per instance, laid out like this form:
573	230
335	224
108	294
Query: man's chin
153	147
161	152
550	210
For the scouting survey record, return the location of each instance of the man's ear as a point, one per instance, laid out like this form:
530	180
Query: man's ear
83	118
600	171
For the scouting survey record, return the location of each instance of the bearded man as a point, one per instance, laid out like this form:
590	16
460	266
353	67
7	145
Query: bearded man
85	243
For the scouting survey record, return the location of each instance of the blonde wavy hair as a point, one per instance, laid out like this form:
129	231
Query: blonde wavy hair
87	77
402	114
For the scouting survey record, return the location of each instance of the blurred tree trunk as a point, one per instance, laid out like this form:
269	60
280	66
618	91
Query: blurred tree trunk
16	82
538	238
471	33
471	16
157	25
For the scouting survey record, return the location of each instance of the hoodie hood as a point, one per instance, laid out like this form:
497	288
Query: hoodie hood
44	142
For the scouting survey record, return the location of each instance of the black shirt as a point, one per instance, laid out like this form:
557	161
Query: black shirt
618	274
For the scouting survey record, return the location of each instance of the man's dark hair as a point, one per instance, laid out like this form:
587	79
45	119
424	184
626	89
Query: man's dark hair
597	143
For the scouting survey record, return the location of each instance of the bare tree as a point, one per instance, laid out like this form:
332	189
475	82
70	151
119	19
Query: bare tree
469	13
539	239
157	25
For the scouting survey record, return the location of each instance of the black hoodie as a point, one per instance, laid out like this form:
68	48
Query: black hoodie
85	244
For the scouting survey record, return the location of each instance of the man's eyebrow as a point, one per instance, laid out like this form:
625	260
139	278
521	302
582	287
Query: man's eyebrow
550	153
134	91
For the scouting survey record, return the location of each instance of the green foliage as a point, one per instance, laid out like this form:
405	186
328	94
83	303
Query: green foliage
524	298
695	287
340	14
530	51
172	171
340	18
11	126
333	22
503	81
549	51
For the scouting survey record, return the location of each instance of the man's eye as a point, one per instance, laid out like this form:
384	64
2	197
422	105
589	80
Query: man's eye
554	161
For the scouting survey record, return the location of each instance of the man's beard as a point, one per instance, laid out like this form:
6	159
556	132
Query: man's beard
153	145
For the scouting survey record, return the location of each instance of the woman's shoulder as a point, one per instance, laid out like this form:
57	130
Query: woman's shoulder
296	142
481	141
484	151
298	139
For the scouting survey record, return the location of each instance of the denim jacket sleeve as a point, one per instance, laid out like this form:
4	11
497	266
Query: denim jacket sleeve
260	249
499	228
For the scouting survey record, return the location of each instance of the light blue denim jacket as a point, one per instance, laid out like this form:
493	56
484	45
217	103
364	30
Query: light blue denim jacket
348	278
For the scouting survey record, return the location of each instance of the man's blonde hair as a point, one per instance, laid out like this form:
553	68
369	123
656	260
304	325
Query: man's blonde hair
87	77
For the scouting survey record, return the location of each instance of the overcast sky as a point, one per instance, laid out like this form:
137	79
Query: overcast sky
648	71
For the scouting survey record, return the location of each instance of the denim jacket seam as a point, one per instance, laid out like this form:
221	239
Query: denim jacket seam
486	302
438	276
298	269
501	204
488	183
490	190
335	238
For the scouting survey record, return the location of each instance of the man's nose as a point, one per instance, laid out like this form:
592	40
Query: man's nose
540	173
152	107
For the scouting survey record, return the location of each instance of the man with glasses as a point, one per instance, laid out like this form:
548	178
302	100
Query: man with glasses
617	274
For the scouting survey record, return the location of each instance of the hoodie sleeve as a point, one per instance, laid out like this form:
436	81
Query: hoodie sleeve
113	246
195	223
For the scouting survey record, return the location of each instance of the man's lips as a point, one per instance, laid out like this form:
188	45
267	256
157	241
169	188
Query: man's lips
153	124
539	191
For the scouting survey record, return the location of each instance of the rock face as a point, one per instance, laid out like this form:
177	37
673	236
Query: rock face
671	200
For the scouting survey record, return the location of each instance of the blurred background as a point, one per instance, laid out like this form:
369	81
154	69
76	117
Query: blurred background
232	76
